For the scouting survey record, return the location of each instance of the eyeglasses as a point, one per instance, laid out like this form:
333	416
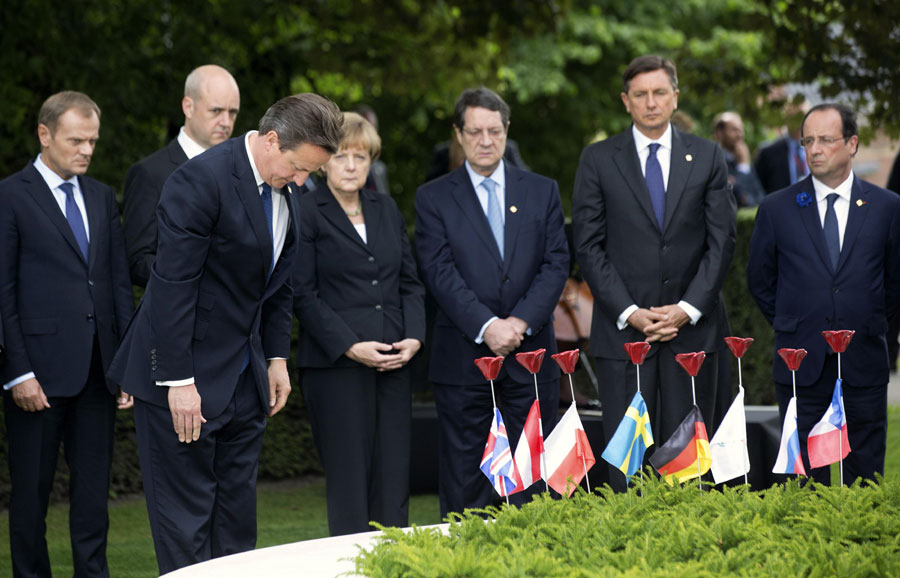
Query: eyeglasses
495	133
825	141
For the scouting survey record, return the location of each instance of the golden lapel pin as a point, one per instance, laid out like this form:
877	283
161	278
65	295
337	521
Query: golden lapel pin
513	209
688	158
860	202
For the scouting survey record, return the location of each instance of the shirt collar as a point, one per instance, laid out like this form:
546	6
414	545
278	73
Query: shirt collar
498	176
190	147
256	176
843	190
642	141
52	179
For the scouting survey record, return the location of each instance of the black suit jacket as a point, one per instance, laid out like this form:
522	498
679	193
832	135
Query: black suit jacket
772	165
210	295
346	291
143	185
627	260
51	300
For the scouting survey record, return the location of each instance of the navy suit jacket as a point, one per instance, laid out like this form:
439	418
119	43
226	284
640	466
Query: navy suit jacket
208	296
51	300
143	185
772	166
462	269
791	278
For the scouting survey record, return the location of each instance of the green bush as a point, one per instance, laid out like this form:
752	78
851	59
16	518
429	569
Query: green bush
667	531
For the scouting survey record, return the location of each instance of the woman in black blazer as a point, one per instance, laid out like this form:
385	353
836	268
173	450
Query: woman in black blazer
362	318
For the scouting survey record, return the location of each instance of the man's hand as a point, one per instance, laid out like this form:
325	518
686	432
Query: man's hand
124	401
672	319
503	336
642	319
29	395
405	349
279	385
374	354
184	403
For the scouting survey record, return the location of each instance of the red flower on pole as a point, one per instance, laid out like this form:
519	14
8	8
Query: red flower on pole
792	357
691	362
531	360
637	351
838	340
489	366
738	345
566	360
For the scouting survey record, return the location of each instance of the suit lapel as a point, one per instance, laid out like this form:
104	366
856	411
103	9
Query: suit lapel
93	204
176	154
809	216
248	191
629	165
334	214
679	170
41	194
464	195
515	199
856	218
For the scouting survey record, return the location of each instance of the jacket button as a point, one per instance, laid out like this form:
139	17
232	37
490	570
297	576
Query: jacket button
90	282
837	290
378	308
371	259
374	282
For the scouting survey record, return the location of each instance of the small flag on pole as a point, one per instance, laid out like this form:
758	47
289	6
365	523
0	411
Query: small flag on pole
497	461
789	460
529	449
568	453
728	448
632	438
686	454
828	442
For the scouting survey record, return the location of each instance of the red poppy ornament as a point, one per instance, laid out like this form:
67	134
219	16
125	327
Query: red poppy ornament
489	366
691	362
637	351
738	345
531	360
838	340
792	357
566	360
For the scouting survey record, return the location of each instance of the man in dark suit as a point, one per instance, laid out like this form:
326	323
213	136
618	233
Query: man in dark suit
654	229
492	251
782	162
65	301
825	254
210	104
728	128
218	306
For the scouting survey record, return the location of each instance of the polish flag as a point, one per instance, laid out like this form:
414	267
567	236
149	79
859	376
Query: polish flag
529	449
568	453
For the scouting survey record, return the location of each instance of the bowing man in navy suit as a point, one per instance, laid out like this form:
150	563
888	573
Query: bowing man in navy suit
65	301
492	252
825	254
217	307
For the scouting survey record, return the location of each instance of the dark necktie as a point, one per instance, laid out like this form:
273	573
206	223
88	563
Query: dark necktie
76	223
266	198
656	186
494	214
830	228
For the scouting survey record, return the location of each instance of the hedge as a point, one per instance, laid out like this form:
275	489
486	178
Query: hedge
288	450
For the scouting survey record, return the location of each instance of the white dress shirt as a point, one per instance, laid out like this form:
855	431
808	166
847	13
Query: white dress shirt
841	205
190	147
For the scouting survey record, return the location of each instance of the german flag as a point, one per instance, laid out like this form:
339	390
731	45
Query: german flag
678	457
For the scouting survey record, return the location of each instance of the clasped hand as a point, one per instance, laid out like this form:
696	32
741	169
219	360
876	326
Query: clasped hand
384	356
503	336
659	323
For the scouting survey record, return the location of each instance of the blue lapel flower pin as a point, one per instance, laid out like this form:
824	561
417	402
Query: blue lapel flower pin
803	200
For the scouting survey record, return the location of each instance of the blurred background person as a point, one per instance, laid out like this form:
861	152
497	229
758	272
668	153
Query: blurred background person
377	180
361	311
782	162
728	128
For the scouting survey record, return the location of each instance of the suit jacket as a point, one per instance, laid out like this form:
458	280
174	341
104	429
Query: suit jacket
627	260
208	296
772	165
51	300
143	185
463	271
346	291
791	278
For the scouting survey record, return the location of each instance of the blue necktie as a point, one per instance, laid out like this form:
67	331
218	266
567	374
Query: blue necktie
830	228
656	186
76	223
494	213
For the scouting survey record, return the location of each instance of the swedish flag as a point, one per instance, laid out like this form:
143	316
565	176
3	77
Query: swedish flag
632	438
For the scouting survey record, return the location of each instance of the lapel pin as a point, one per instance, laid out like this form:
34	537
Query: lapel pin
688	158
513	209
860	202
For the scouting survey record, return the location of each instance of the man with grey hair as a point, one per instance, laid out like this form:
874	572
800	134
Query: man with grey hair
210	104
206	353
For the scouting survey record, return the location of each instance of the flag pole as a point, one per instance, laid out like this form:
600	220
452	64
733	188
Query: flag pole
741	386
638	367
699	473
494	400
583	461
841	437
537	396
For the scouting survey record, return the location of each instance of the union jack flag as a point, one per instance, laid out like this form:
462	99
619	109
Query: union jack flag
497	462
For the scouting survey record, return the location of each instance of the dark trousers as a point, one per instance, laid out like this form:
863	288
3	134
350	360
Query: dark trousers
201	496
866	409
361	421
85	424
665	387
465	413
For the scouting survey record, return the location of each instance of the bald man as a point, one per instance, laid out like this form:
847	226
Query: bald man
210	104
729	132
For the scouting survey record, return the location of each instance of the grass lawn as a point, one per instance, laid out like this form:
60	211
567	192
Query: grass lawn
288	512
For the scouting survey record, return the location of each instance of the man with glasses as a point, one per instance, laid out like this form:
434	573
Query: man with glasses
492	252
825	255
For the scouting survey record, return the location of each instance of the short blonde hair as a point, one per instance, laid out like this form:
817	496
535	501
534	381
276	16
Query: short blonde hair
58	104
358	132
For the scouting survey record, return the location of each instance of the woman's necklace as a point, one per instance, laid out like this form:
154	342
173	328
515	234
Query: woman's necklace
353	213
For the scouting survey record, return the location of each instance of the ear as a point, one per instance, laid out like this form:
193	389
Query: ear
854	142
187	106
44	135
459	136
676	99
625	102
